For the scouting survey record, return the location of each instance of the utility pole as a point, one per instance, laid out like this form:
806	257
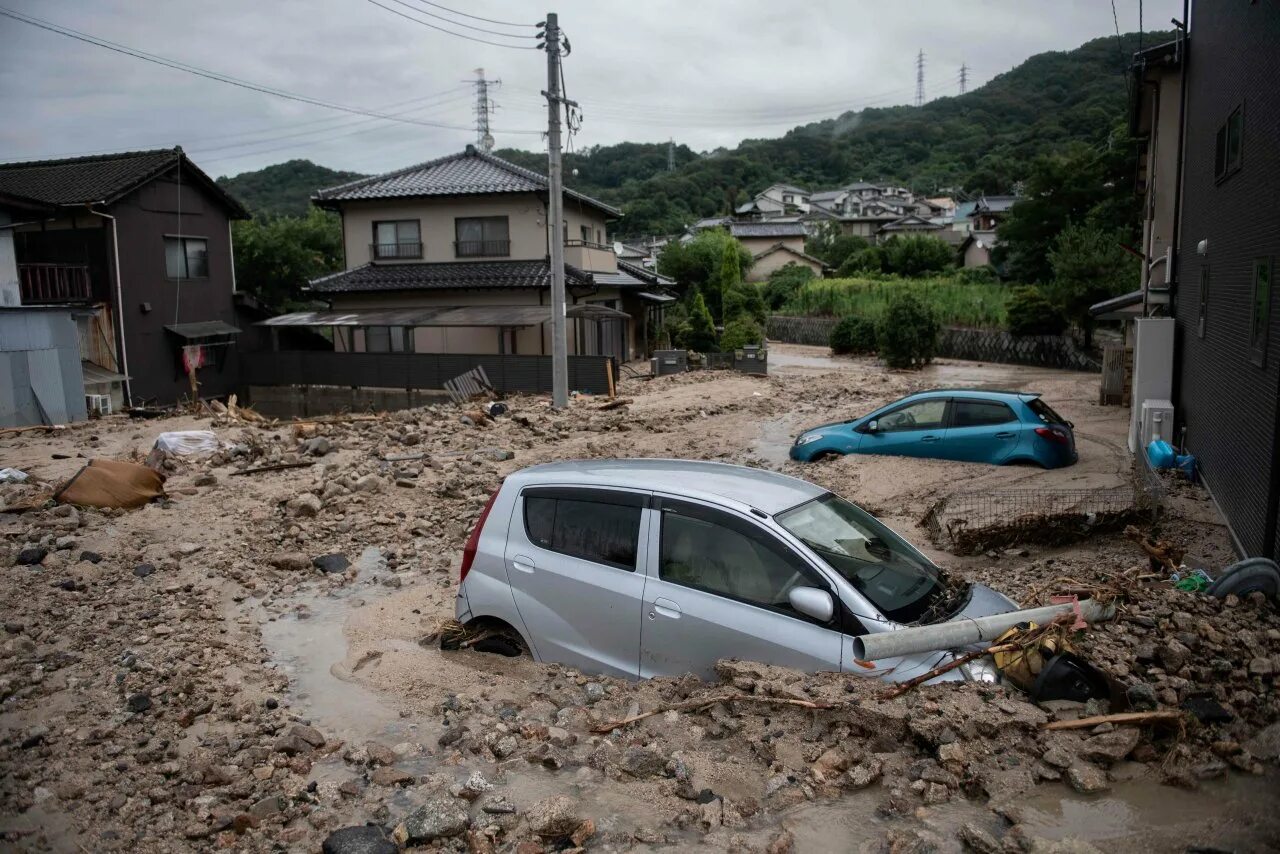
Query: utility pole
964	77
920	79
555	218
484	106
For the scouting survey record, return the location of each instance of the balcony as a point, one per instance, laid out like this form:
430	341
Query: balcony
44	284
395	251
482	248
592	257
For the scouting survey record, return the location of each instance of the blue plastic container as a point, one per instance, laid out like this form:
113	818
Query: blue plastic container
1162	455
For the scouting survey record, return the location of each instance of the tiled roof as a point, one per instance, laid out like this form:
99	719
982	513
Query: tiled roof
767	229
447	276
644	274
102	178
469	172
782	247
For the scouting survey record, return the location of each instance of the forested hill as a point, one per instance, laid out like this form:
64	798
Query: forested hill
284	188
984	140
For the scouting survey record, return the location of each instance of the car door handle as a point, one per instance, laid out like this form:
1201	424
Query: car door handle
666	608
522	563
930	438
1005	435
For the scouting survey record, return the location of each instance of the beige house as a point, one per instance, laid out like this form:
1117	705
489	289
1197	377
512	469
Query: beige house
778	256
452	256
756	237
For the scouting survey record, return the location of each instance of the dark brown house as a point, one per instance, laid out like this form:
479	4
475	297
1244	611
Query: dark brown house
141	241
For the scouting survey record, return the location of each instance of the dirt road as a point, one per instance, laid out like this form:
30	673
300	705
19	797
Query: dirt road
182	677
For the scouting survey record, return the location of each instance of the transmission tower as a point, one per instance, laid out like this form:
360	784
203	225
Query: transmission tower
671	155
920	79
483	108
964	77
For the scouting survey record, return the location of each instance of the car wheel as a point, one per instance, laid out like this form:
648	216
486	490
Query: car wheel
1255	574
500	645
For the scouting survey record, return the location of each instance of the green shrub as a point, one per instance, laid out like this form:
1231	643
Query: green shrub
917	255
783	284
975	306
854	334
739	333
744	300
907	333
984	275
869	260
1031	313
701	334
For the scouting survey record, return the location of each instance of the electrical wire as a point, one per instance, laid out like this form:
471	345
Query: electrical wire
470	26
450	32
477	17
223	78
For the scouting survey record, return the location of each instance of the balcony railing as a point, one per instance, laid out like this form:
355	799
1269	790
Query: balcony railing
380	251
54	283
482	248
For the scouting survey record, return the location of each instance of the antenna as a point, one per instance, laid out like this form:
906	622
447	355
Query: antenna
671	155
964	77
484	106
920	79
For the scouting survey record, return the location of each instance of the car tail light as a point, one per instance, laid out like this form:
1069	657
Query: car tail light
473	541
1053	435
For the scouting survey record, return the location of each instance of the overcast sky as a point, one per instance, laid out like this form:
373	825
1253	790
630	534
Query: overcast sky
707	73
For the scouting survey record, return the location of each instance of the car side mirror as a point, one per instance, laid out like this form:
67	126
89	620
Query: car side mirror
812	602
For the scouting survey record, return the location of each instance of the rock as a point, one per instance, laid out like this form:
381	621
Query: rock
643	762
388	776
91	557
305	505
317	447
358	840
1110	747
405	483
595	692
496	455
31	557
379	754
290	561
370	483
331	563
864	774
783	842
554	817
206	480
1172	656
438	818
1266	743
142	570
560	737
1261	667
1141	696
138	703
268	806
309	734
1087	779
504	746
978	840
1056	757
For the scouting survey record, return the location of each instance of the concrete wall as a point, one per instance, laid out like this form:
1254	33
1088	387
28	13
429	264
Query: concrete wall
309	401
1162	174
40	377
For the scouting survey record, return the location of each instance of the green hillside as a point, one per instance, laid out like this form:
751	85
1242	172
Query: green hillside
284	188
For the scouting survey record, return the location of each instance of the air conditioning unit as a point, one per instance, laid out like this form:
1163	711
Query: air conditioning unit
98	404
1157	422
666	362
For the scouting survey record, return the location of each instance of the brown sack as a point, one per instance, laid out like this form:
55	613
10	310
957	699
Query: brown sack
111	483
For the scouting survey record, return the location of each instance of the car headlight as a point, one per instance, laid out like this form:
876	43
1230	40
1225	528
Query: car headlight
806	438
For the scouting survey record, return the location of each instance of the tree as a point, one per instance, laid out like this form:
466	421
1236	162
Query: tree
907	334
699	263
784	283
917	254
1031	313
276	256
1089	265
832	247
739	333
701	335
869	260
853	334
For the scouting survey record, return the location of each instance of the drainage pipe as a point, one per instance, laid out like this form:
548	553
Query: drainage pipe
965	631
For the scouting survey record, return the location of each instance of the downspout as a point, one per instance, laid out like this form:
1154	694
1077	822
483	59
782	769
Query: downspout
231	245
115	250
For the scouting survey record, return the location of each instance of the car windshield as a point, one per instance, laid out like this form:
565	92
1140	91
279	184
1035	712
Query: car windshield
868	555
1045	412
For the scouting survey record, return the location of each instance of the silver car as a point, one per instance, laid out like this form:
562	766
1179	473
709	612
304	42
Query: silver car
646	567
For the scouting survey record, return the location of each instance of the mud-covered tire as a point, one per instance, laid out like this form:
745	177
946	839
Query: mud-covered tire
500	645
1248	576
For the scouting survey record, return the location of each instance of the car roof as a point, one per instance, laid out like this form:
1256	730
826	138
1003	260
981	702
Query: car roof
764	490
992	394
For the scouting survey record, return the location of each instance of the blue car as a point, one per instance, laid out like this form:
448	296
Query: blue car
951	424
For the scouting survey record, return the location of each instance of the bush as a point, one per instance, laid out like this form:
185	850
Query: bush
907	333
984	275
739	333
701	334
869	260
1031	313
853	334
917	254
784	282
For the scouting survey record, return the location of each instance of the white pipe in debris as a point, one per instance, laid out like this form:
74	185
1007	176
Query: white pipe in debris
965	631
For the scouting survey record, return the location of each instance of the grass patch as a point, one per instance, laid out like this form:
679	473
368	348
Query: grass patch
979	305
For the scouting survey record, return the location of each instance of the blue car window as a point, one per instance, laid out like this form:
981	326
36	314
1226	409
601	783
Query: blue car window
922	415
979	413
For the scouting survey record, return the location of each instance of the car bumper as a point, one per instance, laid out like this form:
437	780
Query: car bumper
462	607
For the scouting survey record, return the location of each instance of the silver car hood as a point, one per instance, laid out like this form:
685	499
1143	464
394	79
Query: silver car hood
983	602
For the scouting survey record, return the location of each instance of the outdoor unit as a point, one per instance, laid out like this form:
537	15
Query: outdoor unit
667	362
751	359
1157	421
98	404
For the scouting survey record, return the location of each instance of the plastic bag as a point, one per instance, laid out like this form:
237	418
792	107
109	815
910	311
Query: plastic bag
12	476
187	442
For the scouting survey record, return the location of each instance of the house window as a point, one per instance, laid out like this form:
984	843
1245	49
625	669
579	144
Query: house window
1260	314
1229	147
186	257
1204	300
585	231
482	236
397	239
385	339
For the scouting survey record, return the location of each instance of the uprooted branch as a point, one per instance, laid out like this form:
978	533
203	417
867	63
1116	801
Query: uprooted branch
1133	718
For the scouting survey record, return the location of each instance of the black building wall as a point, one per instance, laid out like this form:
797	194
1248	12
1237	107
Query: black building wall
1225	398
144	217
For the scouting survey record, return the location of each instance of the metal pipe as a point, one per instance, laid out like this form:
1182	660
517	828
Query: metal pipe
965	631
124	353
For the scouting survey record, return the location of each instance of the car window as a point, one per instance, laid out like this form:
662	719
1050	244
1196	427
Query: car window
1045	412
716	552
921	415
590	528
979	413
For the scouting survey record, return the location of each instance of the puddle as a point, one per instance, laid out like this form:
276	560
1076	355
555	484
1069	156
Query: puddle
773	442
837	827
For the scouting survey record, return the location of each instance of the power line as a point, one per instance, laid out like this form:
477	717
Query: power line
177	65
443	30
470	26
477	17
